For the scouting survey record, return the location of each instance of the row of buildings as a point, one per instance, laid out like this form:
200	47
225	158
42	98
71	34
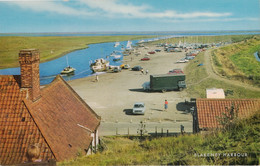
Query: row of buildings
57	121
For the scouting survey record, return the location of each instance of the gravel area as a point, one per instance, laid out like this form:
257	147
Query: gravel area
113	96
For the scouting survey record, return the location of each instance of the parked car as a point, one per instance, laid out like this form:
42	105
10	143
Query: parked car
176	71
151	52
117	69
139	108
125	66
182	60
137	68
145	59
190	57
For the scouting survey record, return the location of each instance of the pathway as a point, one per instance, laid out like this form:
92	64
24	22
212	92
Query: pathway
212	74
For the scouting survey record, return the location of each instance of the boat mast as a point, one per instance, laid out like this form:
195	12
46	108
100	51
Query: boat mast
67	60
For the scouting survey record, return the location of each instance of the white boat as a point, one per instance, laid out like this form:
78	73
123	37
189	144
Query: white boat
141	41
129	45
68	70
99	65
116	44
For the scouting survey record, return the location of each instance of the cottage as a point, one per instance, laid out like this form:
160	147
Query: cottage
207	111
54	118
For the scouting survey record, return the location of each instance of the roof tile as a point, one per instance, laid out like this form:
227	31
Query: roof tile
16	135
58	113
208	110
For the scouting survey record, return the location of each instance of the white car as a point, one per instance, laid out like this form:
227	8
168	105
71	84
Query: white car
182	60
139	108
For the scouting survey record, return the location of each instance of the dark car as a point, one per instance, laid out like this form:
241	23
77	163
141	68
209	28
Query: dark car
145	59
137	68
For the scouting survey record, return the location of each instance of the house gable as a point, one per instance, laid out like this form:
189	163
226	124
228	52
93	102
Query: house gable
62	116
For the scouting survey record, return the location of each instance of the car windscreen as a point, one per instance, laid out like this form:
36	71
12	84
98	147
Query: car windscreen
138	105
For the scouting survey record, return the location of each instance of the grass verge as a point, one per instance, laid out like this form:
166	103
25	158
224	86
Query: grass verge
237	61
242	138
198	81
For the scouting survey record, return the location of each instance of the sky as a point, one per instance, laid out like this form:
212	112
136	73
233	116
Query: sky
34	16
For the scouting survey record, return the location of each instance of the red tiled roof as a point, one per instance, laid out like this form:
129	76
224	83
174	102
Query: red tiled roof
208	110
17	128
59	113
57	121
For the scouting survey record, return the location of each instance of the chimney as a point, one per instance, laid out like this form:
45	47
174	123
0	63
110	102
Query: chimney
29	60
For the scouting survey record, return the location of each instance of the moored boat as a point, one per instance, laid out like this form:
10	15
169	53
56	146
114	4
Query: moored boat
116	44
99	65
68	70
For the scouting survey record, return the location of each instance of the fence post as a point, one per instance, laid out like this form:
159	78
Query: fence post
155	131
128	132
162	132
167	133
182	129
116	131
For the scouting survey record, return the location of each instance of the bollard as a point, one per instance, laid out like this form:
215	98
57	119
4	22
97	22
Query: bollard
155	131
182	129
167	133
162	132
116	131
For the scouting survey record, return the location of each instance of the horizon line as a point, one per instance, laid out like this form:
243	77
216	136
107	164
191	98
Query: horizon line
118	32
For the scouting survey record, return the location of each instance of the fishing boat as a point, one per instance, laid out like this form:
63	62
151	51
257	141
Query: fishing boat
141	41
99	65
68	70
116	44
117	58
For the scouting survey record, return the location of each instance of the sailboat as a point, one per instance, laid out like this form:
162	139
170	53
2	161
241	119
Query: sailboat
129	45
68	70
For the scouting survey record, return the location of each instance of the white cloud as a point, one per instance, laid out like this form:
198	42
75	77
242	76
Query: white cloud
47	6
108	8
117	9
211	20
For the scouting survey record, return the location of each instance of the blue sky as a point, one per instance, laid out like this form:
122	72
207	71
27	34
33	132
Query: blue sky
128	15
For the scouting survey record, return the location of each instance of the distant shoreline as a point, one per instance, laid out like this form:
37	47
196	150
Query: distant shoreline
114	33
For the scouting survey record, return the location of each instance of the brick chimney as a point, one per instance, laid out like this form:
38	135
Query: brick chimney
29	60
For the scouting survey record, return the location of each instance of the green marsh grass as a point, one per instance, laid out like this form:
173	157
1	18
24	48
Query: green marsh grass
50	47
237	61
198	81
